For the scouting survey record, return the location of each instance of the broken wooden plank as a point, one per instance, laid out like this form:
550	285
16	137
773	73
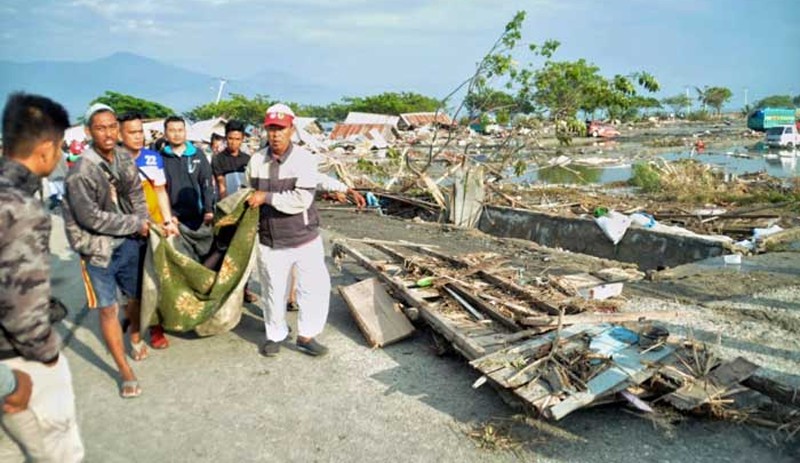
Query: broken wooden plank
516	308
696	393
376	313
628	367
511	368
494	279
485	266
587	286
481	305
425	293
463	344
538	367
471	303
495	361
592	318
782	393
520	335
400	242
465	304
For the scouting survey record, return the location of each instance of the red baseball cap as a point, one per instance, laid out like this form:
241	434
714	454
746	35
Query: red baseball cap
279	115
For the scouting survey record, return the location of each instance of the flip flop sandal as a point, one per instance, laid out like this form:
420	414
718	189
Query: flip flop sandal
139	351
130	389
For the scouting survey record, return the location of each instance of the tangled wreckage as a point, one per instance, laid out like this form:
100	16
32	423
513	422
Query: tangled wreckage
555	342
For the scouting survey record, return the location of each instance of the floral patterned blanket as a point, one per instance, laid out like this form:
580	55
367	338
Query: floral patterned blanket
182	294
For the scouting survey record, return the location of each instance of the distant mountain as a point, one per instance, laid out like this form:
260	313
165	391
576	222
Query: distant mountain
75	84
284	86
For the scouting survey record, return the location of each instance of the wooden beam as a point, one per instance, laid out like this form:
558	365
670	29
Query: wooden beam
782	393
467	346
481	305
471	299
593	318
703	390
504	283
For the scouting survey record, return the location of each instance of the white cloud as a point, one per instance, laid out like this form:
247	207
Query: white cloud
410	23
114	9
139	26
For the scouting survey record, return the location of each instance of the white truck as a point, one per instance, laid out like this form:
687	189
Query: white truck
784	136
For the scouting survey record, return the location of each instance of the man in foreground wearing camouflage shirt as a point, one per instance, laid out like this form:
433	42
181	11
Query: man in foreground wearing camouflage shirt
45	427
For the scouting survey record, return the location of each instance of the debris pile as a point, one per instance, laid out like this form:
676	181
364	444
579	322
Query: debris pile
555	343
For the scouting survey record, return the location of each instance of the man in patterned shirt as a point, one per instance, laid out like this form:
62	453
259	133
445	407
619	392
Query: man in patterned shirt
45	427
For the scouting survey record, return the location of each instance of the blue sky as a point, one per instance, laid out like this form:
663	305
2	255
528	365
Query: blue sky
367	46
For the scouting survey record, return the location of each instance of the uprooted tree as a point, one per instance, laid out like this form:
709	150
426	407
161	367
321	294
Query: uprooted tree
543	87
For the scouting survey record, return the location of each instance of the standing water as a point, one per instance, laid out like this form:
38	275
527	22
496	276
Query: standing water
782	164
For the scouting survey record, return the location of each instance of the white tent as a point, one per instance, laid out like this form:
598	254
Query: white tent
202	130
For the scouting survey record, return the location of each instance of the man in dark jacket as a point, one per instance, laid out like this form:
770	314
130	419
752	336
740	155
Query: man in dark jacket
105	217
188	177
44	422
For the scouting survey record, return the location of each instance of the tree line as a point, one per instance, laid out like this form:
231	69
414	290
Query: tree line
503	105
507	82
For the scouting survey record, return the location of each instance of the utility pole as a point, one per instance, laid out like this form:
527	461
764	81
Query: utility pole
688	102
745	97
222	82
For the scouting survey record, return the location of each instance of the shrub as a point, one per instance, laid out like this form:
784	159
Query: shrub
646	177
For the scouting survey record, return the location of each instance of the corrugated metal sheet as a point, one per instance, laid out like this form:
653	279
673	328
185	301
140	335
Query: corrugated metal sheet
413	120
344	131
369	118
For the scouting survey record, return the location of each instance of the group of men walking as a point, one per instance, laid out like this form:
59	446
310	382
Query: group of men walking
115	195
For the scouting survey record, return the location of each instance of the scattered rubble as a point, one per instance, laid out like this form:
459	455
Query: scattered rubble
547	342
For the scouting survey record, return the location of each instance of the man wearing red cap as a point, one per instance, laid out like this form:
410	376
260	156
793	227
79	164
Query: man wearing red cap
285	177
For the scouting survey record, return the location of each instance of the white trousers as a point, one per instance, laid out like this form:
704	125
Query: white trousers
47	430
313	288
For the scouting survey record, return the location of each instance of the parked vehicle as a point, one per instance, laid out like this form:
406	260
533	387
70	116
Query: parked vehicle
785	136
766	118
600	129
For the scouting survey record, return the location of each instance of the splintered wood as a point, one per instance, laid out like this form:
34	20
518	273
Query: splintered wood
539	337
376	313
